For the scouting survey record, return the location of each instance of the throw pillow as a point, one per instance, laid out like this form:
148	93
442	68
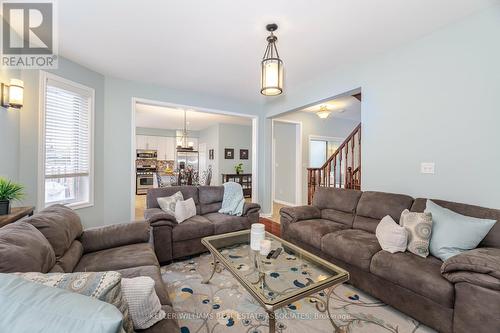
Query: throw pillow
167	204
184	210
30	307
391	236
104	286
143	303
453	233
419	227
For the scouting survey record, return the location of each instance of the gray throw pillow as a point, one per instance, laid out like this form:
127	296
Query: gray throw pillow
418	227
167	204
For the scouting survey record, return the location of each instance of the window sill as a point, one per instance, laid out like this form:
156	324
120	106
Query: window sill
80	205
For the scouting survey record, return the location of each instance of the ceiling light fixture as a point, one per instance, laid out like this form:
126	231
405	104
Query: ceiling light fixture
271	79
184	144
323	112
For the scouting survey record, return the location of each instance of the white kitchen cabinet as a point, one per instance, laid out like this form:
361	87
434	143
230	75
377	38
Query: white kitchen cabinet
141	142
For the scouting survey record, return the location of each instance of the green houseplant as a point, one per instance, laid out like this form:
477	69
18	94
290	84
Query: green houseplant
9	191
238	168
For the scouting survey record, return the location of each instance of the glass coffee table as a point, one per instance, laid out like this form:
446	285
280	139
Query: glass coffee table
275	283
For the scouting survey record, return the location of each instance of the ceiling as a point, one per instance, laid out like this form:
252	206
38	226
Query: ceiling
151	116
347	107
215	47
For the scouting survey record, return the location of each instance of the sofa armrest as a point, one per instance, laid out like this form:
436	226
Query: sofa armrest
294	214
479	266
101	238
250	207
157	217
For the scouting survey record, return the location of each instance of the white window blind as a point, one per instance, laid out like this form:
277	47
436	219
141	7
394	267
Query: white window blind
67	143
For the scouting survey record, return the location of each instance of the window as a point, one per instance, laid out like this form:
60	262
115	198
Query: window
66	143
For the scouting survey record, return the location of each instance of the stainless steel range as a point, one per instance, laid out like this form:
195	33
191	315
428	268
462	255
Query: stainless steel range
145	174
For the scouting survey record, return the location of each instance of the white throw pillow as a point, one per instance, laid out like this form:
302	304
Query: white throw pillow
184	210
391	236
144	306
167	204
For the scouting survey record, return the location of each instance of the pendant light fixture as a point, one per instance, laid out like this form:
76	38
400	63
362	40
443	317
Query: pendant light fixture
184	142
271	80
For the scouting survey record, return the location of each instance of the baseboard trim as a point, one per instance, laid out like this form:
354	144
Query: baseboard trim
266	215
285	203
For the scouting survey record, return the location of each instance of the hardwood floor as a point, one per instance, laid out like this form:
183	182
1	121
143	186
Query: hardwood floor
271	226
140	206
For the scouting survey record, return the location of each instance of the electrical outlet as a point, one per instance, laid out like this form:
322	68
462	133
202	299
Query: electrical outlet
427	168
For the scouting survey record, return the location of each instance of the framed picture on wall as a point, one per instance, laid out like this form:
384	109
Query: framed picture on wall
243	154
229	153
210	154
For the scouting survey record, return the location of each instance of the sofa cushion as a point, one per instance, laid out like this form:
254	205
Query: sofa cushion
492	239
24	249
134	255
373	206
194	227
187	192
224	223
60	225
421	275
312	231
336	198
210	198
169	324
71	258
153	272
355	247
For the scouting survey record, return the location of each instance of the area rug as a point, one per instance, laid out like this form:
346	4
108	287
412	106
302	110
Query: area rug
223	305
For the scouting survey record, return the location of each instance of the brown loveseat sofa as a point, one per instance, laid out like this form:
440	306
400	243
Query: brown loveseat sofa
460	295
173	240
123	248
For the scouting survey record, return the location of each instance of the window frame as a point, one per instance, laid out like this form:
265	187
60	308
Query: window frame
44	77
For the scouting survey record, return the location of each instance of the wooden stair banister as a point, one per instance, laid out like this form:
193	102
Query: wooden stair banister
344	166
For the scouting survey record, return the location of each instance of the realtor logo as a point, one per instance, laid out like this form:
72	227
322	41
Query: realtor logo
28	35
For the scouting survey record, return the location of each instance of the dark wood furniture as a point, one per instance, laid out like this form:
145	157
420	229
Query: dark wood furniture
244	179
16	213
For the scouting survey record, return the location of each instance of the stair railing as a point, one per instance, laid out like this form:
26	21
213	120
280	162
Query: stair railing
341	170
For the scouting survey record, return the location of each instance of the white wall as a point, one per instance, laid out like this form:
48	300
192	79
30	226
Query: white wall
9	135
434	100
285	162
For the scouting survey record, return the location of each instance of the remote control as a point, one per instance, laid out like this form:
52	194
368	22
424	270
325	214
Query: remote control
270	254
276	253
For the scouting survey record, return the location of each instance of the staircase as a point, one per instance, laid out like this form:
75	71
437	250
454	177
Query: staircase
341	170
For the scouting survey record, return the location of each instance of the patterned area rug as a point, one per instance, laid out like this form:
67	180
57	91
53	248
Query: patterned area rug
223	305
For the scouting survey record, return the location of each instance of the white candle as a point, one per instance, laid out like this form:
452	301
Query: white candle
265	247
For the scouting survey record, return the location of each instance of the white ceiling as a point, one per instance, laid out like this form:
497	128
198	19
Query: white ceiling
151	116
215	47
346	107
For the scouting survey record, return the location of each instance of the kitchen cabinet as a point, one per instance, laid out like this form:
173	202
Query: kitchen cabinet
165	146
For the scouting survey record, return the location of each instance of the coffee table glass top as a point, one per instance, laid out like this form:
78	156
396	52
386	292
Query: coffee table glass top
288	277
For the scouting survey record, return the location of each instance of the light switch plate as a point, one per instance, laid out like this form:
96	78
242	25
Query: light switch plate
427	167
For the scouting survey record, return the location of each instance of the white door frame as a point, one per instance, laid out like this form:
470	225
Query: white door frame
255	131
298	162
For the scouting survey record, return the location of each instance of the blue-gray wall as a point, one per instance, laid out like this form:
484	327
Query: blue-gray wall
285	162
434	100
236	137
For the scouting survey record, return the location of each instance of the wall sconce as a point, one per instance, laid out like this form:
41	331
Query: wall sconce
12	95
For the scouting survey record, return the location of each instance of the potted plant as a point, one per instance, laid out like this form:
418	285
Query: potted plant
238	168
9	191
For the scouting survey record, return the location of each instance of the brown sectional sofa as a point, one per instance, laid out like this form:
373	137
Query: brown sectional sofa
460	295
173	240
124	248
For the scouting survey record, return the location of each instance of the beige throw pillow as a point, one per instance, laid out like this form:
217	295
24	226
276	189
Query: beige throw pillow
184	210
391	236
143	303
419	227
167	204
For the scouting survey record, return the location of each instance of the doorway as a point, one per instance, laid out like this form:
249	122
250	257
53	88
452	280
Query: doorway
286	165
180	139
